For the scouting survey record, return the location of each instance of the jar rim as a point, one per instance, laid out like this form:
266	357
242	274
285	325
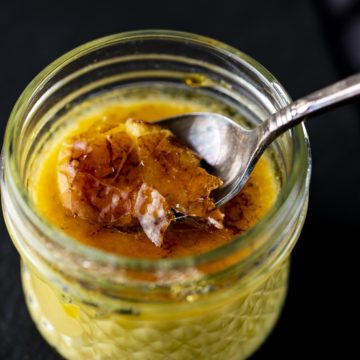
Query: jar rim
298	180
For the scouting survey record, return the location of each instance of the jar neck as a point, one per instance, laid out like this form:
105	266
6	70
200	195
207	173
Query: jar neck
138	58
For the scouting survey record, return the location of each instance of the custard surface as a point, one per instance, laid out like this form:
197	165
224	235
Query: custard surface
243	212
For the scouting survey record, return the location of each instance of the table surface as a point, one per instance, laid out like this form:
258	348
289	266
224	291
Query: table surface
297	43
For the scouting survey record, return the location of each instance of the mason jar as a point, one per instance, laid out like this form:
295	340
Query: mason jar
90	304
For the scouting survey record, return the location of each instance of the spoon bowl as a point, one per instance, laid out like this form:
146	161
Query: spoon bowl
227	150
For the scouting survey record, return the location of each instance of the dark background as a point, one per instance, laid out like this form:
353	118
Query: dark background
306	45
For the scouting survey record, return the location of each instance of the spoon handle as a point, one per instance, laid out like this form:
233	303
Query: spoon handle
321	100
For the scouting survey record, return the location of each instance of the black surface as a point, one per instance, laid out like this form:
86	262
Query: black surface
306	45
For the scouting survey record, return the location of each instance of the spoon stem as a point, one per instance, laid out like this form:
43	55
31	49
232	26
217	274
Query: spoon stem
330	96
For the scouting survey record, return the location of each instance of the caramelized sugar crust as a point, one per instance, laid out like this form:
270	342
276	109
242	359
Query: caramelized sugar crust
133	175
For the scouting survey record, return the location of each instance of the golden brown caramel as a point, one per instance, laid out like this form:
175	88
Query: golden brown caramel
89	166
133	174
153	213
181	239
170	167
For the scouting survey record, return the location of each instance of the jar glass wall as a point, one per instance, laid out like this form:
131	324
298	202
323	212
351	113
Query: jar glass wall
92	304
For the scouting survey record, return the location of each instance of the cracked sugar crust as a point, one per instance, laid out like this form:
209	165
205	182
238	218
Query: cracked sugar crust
131	175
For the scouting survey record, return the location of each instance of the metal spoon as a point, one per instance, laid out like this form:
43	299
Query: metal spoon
232	151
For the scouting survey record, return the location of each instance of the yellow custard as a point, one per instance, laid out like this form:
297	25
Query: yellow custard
231	329
241	214
228	325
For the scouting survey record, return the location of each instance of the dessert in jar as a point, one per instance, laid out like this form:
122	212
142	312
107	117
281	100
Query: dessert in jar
92	188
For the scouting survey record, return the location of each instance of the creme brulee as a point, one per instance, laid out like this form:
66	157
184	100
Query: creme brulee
244	211
230	325
108	270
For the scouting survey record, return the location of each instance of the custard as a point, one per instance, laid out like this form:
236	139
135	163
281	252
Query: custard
229	323
182	239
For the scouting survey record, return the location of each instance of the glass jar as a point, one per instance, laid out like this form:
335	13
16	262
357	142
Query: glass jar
92	304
